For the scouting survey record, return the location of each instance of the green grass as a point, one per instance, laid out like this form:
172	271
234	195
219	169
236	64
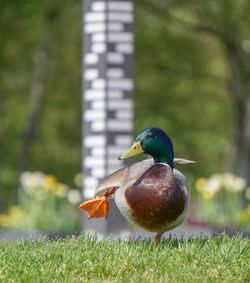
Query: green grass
83	259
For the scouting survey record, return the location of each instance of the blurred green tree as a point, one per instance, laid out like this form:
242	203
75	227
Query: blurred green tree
192	70
226	24
39	88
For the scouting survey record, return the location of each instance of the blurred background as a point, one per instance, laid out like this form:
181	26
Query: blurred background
192	78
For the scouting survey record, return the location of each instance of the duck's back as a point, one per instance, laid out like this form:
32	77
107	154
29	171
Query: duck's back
156	199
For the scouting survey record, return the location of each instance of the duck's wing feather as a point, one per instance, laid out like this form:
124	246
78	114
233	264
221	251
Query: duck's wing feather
183	161
123	177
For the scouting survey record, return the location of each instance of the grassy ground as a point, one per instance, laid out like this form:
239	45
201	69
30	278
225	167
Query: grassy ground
82	259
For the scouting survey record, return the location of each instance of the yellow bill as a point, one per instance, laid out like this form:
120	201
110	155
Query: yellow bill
134	150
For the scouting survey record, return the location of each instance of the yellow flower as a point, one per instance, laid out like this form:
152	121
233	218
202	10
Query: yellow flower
14	219
248	209
50	183
201	184
207	194
61	190
4	220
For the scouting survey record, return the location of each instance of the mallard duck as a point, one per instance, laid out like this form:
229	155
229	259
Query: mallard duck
151	194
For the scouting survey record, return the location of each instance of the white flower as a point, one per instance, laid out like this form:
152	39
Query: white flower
239	184
24	177
31	180
214	184
233	183
226	180
245	44
74	196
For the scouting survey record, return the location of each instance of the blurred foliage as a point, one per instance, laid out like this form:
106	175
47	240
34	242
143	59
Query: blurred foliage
57	147
175	93
181	73
44	204
220	200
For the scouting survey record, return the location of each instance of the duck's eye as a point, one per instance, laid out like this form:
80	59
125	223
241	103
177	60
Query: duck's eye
151	136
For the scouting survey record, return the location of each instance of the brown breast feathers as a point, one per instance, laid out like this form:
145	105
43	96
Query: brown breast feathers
156	197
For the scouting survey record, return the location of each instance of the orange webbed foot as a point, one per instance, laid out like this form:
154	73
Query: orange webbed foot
96	208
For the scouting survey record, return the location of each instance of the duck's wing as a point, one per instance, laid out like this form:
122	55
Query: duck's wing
123	177
182	181
128	175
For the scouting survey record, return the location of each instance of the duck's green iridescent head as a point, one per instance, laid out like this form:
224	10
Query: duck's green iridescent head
155	142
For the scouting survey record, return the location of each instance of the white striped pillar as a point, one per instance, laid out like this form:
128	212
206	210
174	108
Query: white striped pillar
107	96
